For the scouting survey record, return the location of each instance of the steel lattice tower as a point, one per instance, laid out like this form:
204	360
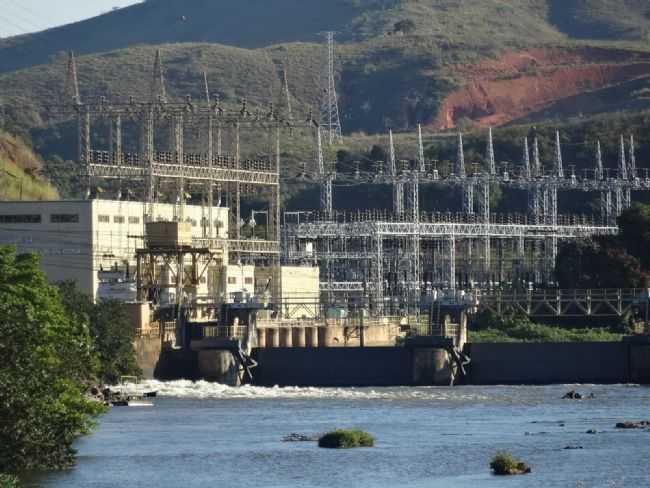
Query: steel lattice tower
330	120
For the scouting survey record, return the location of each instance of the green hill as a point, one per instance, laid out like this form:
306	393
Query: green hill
602	19
444	63
255	23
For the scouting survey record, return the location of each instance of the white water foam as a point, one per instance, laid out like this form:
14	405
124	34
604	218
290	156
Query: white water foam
207	390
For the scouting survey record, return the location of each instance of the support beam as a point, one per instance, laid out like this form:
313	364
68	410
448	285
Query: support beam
490	154
559	166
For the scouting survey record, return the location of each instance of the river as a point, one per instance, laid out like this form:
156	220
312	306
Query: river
209	435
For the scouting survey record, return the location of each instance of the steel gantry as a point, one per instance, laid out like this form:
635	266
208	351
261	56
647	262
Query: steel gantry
165	151
399	255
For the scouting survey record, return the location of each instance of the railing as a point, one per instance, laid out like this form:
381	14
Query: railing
107	158
219	331
566	303
378	215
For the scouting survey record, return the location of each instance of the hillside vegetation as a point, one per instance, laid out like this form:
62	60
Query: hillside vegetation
20	172
443	63
399	61
253	23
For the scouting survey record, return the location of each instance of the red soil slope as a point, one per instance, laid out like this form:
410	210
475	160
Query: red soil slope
519	83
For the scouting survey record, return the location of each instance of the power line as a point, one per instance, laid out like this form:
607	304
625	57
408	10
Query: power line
27	19
21	28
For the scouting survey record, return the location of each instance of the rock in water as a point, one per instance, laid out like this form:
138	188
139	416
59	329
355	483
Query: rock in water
572	395
642	424
293	437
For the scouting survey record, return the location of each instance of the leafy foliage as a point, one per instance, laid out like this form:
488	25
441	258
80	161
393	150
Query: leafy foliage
616	262
487	327
505	464
8	481
407	26
346	439
110	330
46	362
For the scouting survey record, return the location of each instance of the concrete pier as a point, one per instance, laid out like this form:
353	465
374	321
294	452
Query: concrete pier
261	338
273	338
218	366
311	336
299	336
286	338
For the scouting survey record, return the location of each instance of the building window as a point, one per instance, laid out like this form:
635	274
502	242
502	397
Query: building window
64	218
20	219
104	219
232	280
248	281
134	220
118	219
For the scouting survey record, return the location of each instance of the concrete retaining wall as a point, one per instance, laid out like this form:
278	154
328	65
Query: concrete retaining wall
147	351
549	363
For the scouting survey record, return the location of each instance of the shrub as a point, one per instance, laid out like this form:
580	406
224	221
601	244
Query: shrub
346	439
505	464
8	481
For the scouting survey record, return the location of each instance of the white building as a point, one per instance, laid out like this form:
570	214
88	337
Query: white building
79	239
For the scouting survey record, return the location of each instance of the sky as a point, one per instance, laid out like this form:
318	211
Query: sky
23	16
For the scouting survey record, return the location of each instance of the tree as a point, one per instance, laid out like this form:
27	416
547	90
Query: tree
406	26
634	224
111	332
46	365
601	264
377	153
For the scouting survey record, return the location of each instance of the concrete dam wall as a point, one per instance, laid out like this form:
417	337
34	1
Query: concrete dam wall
539	363
492	364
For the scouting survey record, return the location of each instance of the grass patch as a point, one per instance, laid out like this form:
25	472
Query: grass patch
346	439
504	464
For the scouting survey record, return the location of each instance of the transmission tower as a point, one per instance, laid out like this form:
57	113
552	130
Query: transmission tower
285	97
330	120
157	91
71	87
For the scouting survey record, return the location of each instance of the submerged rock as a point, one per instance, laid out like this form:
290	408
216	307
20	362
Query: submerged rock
642	424
293	437
572	448
572	395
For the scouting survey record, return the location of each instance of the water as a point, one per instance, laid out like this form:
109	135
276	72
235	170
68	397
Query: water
201	435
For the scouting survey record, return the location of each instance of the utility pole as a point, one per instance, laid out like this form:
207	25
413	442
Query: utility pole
330	120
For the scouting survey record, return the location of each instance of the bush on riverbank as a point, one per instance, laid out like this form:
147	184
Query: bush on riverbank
346	439
504	464
47	364
489	328
110	330
8	481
